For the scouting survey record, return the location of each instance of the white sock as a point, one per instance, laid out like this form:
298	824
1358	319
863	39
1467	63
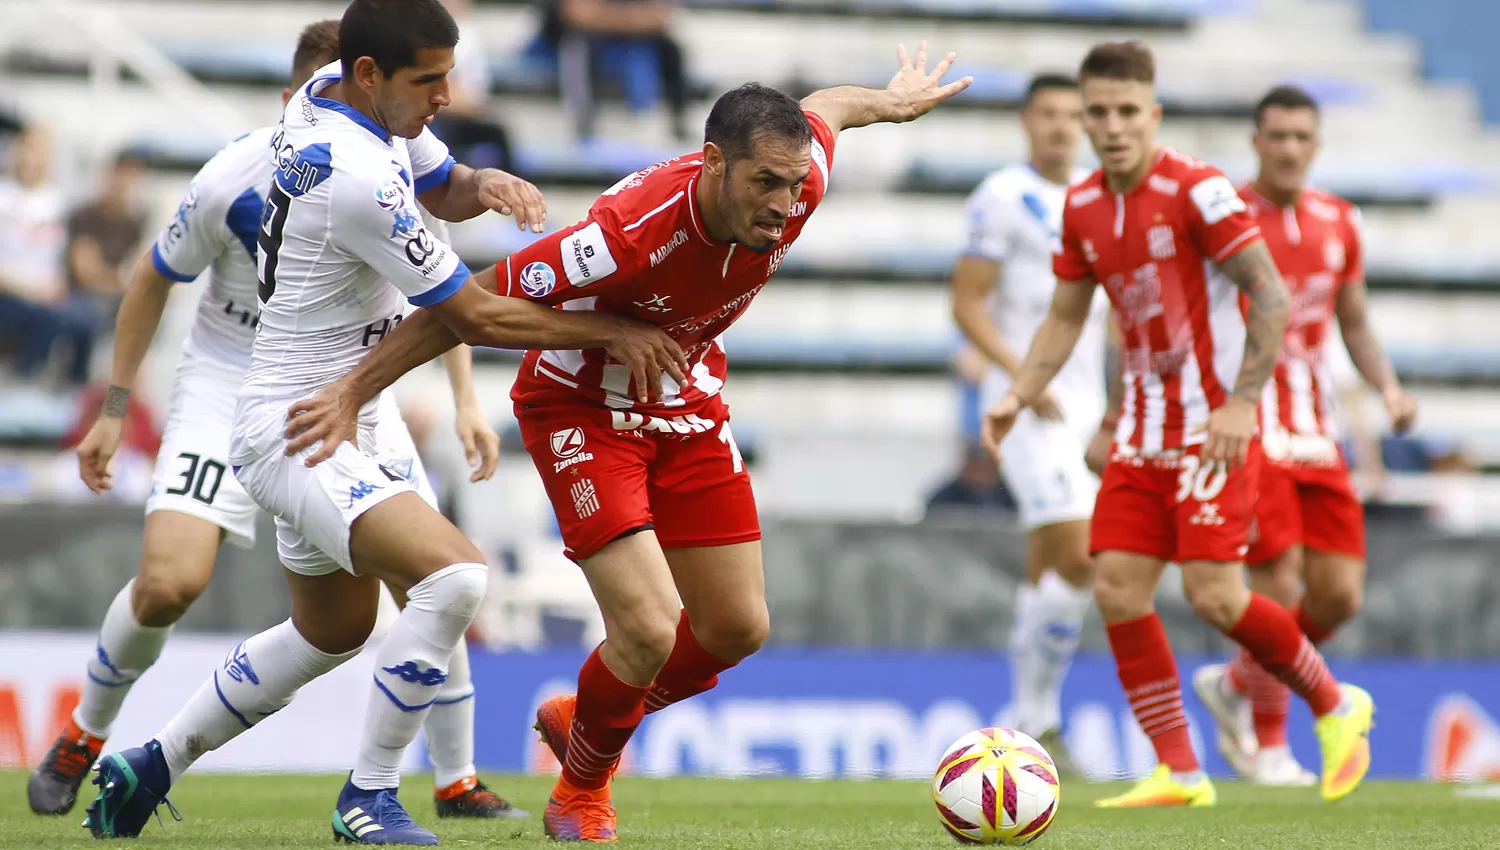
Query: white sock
125	650
450	724
411	665
258	678
1060	609
1023	660
1187	777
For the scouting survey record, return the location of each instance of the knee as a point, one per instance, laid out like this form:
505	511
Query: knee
1217	599
1076	569
643	638
1120	596
163	592
456	590
735	639
1337	604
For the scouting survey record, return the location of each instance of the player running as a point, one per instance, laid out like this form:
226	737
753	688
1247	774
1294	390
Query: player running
1175	248
340	242
195	503
642	469
1308	521
1002	285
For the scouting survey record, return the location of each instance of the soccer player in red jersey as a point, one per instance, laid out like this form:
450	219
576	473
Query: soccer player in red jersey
1175	248
644	475
1308	520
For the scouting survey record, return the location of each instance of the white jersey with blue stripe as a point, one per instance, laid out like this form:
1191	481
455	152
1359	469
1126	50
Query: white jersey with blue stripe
215	227
342	249
1015	217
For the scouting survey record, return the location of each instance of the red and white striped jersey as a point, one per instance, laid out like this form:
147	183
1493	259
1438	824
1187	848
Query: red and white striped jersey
1317	247
644	252
1156	249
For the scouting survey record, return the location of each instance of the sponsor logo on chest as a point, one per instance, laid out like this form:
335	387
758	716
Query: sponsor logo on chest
660	254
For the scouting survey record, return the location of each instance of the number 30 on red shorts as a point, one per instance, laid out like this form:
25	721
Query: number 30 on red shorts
609	473
1176	508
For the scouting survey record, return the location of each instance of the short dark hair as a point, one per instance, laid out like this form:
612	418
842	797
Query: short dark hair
1119	60
1048	82
741	115
392	31
317	46
1285	97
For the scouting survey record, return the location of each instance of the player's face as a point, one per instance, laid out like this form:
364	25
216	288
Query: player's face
1053	121
408	100
1286	142
756	197
1121	117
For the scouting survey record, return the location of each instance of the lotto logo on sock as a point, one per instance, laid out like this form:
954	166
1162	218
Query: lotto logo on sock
409	671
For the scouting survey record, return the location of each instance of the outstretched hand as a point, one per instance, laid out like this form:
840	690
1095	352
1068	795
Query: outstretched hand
917	91
508	194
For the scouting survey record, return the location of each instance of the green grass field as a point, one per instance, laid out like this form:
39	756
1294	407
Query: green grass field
692	814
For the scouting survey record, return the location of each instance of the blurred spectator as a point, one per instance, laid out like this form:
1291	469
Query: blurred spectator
624	40
32	233
977	489
467	125
104	236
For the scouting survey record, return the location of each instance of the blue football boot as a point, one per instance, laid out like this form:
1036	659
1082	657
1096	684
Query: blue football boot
375	817
132	784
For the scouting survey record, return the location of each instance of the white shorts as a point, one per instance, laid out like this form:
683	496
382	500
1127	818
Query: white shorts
315	508
1044	469
192	469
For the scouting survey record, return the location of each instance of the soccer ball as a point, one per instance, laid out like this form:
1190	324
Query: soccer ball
996	786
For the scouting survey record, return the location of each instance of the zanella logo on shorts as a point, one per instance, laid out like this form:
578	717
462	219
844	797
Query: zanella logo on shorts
678	238
624	420
1162	242
568	445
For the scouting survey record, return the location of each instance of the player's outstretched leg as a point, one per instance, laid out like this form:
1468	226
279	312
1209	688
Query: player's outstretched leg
176	563
1270	634
1124	587
258	678
458	791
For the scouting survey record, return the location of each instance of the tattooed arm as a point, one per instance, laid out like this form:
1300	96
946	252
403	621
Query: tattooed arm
1231	426
1254	272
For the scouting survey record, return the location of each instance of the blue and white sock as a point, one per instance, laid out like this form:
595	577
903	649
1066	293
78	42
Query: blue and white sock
450	724
257	679
411	667
125	650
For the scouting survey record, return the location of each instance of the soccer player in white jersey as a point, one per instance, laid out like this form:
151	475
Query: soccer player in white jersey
195	503
1002	288
340	242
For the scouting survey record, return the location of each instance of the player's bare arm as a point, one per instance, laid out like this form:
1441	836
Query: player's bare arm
1050	349
973	281
481	443
1231	426
475	316
1369	356
912	93
470	192
1096	455
140	314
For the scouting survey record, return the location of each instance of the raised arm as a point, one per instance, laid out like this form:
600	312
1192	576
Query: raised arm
911	94
1369	356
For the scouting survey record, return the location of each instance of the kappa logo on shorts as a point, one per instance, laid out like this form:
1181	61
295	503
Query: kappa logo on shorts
361	490
585	498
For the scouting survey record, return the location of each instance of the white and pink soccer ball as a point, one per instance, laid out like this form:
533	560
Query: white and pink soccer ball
996	786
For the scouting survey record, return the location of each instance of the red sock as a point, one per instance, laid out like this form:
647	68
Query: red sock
1148	673
690	670
1270	634
607	713
1315	633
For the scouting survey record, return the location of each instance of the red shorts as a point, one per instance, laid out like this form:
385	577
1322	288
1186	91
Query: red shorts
1312	505
1175	508
610	472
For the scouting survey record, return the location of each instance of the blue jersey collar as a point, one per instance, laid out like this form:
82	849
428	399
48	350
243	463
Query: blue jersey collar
344	109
